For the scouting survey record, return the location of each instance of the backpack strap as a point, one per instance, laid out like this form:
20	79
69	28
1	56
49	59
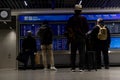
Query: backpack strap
102	26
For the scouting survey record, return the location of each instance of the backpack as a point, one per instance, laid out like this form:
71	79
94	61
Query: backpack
102	34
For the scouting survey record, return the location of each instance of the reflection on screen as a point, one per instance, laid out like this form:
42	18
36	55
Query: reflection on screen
58	29
29	27
115	43
113	27
91	25
58	44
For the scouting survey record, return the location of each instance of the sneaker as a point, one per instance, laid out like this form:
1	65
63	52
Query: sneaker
80	70
45	69
73	70
53	68
106	67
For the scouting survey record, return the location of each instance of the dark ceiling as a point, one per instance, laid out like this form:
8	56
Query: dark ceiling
41	4
34	4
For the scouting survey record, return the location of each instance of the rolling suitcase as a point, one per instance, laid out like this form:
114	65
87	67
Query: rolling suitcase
90	53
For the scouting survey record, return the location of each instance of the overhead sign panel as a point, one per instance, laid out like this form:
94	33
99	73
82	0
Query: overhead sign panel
65	17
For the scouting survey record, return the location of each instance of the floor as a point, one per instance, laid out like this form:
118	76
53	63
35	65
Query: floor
61	74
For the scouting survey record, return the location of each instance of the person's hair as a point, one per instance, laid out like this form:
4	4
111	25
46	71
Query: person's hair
100	21
77	12
45	22
29	33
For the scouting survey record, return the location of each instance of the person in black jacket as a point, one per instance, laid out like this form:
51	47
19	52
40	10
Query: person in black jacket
46	37
76	28
101	45
29	47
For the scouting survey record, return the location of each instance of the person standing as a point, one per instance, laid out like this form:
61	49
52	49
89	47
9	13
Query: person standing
77	27
29	48
46	37
101	36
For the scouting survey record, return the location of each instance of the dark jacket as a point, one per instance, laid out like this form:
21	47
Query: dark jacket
77	25
45	34
29	43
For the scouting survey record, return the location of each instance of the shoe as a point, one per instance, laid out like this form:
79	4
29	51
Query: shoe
73	70
53	68
33	68
45	69
24	68
106	67
98	67
80	70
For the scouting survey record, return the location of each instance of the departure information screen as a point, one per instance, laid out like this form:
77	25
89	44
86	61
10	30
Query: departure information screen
58	44
57	29
29	27
28	22
115	43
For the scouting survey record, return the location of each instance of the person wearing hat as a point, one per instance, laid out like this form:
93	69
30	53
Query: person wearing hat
77	27
29	47
102	43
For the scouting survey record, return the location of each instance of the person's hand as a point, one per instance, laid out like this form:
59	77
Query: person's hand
35	53
26	49
71	36
109	46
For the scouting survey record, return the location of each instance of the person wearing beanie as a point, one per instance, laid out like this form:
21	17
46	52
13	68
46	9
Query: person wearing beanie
77	27
29	48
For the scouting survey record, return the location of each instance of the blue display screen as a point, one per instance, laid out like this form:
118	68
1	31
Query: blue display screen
58	44
48	17
57	29
91	25
115	43
29	27
65	17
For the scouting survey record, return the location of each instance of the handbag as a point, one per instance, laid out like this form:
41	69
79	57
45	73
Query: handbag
37	58
21	57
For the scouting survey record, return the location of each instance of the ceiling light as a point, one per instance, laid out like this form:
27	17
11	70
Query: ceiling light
80	2
10	27
25	3
5	22
33	25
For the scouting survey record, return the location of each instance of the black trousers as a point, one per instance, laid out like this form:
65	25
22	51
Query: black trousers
78	44
102	49
32	58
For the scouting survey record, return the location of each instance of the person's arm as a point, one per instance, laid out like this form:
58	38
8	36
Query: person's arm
50	33
35	49
108	37
69	29
94	33
38	33
24	44
85	24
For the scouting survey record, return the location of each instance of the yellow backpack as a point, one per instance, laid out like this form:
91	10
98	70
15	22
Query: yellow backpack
102	34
